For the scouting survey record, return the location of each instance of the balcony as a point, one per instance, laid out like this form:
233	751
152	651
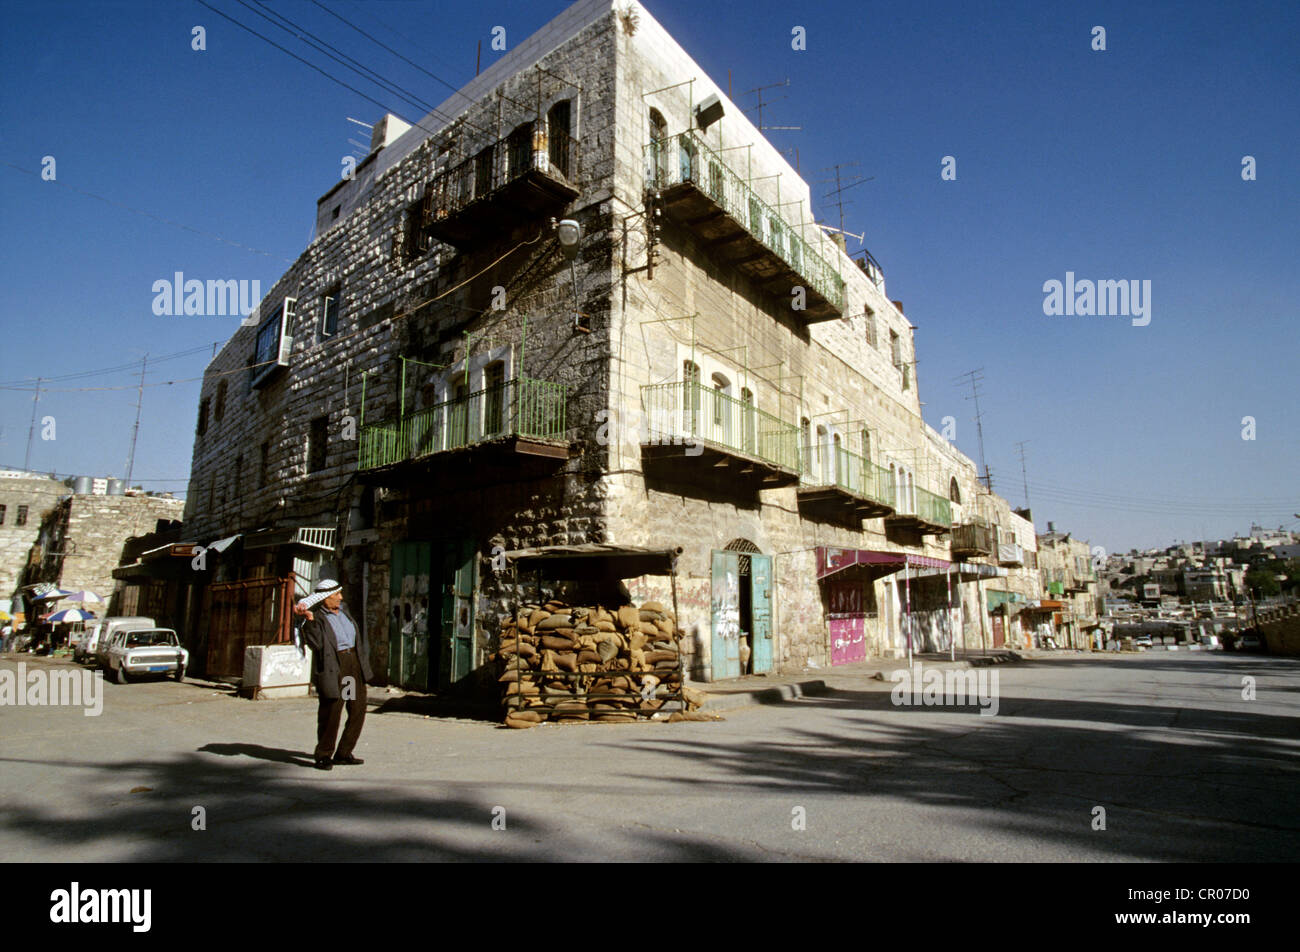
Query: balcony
1079	583
700	191
929	514
515	419
527	176
973	540
837	479
700	434
1011	554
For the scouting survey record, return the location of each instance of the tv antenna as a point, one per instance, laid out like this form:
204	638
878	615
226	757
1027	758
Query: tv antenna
1024	472
976	377
842	184
761	104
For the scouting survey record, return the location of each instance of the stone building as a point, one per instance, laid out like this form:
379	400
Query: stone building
446	378
85	536
25	500
1069	587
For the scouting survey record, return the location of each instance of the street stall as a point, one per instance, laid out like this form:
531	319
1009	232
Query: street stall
575	647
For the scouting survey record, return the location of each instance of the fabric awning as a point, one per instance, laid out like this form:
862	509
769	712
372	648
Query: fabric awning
875	562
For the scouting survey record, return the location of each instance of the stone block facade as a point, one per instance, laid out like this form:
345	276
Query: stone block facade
27	498
436	285
86	536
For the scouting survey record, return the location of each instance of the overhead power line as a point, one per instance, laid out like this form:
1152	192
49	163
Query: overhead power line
157	218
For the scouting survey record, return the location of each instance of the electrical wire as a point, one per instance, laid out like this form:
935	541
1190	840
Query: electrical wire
157	218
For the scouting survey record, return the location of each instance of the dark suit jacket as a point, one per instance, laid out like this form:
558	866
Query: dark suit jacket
319	636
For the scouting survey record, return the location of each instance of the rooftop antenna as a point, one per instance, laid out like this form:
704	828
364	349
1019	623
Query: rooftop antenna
836	195
32	429
761	104
1024	473
135	431
976	377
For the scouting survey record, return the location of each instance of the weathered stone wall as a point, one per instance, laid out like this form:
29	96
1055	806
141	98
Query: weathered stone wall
40	494
89	535
439	310
695	308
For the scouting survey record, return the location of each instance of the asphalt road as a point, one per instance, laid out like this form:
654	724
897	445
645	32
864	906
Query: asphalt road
1185	768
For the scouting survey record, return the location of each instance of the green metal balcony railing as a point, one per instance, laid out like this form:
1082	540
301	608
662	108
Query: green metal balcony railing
520	407
684	158
929	508
689	411
828	464
934	509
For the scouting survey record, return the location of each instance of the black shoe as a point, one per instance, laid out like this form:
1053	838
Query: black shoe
348	759
324	763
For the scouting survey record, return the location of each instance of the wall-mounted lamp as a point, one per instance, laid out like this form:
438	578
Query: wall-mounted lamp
569	233
708	112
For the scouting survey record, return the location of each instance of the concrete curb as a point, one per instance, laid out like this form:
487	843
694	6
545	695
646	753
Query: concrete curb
776	694
780	693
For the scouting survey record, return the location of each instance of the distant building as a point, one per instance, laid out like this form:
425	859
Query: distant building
25	499
85	536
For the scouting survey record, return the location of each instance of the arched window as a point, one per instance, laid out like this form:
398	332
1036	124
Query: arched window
749	421
722	406
954	493
656	155
805	435
745	547
823	457
559	131
691	396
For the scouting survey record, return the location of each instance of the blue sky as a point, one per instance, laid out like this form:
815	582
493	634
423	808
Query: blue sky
1116	164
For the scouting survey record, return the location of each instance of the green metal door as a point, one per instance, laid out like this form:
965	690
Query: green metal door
409	612
460	577
726	614
760	577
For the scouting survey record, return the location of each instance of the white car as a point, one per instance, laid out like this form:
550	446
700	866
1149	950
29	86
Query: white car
94	648
140	651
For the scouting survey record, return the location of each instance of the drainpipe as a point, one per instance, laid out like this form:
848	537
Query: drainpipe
907	606
952	640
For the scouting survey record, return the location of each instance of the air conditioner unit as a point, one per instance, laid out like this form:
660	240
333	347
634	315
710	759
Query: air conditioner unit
274	343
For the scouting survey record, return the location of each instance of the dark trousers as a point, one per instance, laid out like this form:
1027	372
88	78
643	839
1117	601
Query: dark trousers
331	710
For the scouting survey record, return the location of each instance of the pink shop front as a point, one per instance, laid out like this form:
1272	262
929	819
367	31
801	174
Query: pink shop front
918	608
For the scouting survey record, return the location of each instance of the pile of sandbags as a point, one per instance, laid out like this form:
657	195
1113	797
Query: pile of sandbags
588	663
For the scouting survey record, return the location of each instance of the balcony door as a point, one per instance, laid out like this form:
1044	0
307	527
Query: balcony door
494	399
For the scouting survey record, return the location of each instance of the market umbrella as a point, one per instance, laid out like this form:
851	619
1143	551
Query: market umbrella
52	593
71	614
82	596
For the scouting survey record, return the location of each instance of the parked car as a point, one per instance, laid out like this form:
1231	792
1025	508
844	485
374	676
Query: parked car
95	649
1249	641
138	651
1142	641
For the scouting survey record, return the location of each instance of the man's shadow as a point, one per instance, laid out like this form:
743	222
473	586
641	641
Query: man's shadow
277	755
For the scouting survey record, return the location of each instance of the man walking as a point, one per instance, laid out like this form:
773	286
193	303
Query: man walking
340	669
